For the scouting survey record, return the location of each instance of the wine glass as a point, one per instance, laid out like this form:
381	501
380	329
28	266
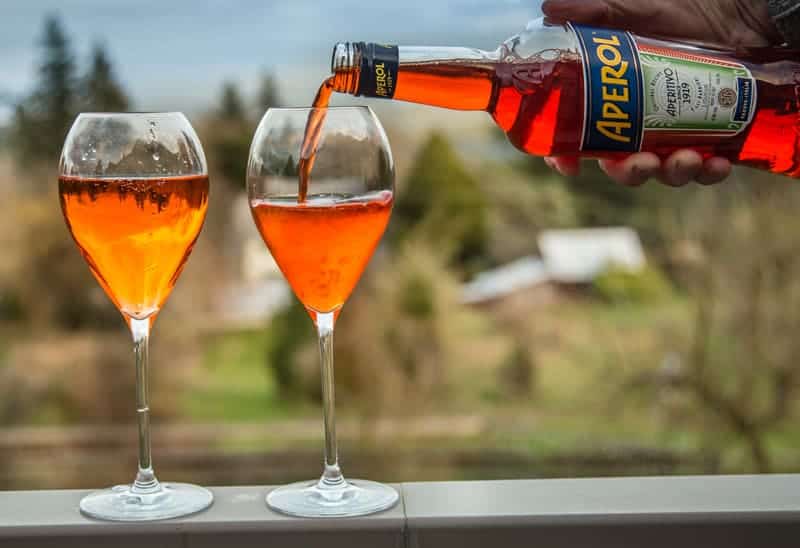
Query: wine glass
134	193
321	184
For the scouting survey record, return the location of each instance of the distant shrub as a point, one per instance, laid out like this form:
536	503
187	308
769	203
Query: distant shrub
11	307
228	144
442	203
290	331
517	371
405	339
398	338
82	377
417	297
48	258
520	206
619	284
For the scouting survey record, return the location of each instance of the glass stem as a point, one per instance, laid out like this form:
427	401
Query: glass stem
146	481
332	476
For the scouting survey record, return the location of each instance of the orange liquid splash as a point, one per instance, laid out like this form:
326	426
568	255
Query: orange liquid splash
313	131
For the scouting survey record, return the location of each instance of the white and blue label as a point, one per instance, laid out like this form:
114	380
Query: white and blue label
632	89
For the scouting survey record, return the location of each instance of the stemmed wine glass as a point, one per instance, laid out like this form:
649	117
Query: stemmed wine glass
134	193
321	184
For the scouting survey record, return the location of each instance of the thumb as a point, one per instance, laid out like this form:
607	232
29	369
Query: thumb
604	13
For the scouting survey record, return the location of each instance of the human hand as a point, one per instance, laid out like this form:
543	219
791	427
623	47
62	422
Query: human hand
733	23
678	169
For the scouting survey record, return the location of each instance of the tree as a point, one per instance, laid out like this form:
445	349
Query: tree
44	117
520	206
268	94
230	141
602	202
57	81
421	339
231	108
740	367
102	92
443	201
290	330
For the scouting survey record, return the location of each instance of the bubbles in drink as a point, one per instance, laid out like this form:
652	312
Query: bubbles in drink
90	154
152	145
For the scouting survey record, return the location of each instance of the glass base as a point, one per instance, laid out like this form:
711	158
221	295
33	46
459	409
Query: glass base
171	500
355	498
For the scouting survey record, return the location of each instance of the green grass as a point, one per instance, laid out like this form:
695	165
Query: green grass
235	384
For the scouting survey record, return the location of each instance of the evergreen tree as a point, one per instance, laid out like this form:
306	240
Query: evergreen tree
444	202
44	117
102	92
231	106
268	94
57	81
232	134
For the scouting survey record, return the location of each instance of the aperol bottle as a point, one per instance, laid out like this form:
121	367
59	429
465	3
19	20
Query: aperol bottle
572	89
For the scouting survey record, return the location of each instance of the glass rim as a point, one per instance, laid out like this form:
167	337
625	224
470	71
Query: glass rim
344	107
158	113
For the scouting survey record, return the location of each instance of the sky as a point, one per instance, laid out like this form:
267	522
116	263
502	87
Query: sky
174	55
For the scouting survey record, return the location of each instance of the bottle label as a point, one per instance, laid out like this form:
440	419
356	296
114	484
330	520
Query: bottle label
633	89
378	74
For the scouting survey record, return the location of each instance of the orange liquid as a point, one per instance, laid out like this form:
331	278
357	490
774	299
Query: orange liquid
311	137
136	234
321	247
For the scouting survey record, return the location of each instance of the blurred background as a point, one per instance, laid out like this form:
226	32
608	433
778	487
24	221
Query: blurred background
514	323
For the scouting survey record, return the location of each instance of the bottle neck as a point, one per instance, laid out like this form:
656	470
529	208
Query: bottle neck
451	77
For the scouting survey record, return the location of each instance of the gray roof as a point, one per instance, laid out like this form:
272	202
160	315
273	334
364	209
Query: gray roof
511	277
568	256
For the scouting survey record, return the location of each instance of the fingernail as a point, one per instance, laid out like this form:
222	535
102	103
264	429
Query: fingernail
554	7
681	174
640	175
